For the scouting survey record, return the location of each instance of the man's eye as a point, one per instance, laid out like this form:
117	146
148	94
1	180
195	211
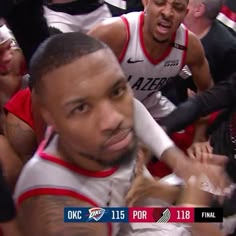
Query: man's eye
81	108
118	92
179	7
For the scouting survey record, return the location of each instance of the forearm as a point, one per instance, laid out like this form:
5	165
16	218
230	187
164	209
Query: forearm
219	97
149	132
176	160
184	115
201	126
28	25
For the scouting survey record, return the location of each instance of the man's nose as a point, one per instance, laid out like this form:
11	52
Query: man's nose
167	10
110	118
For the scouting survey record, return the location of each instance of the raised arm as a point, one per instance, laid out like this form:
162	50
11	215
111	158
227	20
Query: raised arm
219	97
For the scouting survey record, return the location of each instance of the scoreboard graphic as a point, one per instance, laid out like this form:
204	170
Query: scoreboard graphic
139	215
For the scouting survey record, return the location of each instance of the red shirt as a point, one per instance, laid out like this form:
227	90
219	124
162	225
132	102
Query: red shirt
20	106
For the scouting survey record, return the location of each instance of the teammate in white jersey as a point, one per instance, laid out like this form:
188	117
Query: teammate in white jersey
152	47
89	161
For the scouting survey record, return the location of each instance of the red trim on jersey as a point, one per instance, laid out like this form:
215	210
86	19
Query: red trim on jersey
59	192
79	170
121	57
229	13
164	55
185	51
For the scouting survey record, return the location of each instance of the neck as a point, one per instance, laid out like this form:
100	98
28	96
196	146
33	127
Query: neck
200	27
155	49
63	151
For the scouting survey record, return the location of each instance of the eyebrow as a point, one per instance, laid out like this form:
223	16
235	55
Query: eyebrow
118	82
78	100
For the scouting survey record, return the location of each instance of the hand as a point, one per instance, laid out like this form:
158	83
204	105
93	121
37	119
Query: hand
216	181
143	187
196	149
192	194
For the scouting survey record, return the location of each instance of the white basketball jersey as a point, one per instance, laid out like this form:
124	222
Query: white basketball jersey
146	75
47	174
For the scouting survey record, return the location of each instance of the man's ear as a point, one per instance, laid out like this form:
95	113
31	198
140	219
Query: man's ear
48	118
145	3
187	12
200	10
39	109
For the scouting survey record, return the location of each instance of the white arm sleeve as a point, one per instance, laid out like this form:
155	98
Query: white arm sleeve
149	132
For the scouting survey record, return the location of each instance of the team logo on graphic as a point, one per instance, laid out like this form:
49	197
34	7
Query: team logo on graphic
161	215
96	213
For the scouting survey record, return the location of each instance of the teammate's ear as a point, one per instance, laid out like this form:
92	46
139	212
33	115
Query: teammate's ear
47	118
145	3
200	10
187	12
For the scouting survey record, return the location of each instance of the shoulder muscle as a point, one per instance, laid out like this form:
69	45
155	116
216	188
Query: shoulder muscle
196	53
43	215
112	32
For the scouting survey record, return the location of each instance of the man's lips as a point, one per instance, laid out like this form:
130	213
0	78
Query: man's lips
164	23
163	26
119	141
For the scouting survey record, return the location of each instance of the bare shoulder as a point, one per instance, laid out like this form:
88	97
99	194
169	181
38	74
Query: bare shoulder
44	215
195	53
21	136
113	32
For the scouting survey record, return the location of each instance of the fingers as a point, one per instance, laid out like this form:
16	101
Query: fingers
191	153
215	181
209	148
215	159
136	191
140	162
197	149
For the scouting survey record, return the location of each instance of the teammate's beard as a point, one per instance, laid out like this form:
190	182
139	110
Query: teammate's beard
123	159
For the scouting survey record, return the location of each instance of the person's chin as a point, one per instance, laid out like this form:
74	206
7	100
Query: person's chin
122	156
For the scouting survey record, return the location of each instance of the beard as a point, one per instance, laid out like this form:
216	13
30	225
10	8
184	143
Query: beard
123	160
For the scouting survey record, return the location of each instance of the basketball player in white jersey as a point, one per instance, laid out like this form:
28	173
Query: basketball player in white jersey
89	159
153	46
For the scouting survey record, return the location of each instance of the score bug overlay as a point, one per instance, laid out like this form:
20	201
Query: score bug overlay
143	214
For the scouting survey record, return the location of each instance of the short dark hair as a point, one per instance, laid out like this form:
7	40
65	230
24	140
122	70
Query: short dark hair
59	50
